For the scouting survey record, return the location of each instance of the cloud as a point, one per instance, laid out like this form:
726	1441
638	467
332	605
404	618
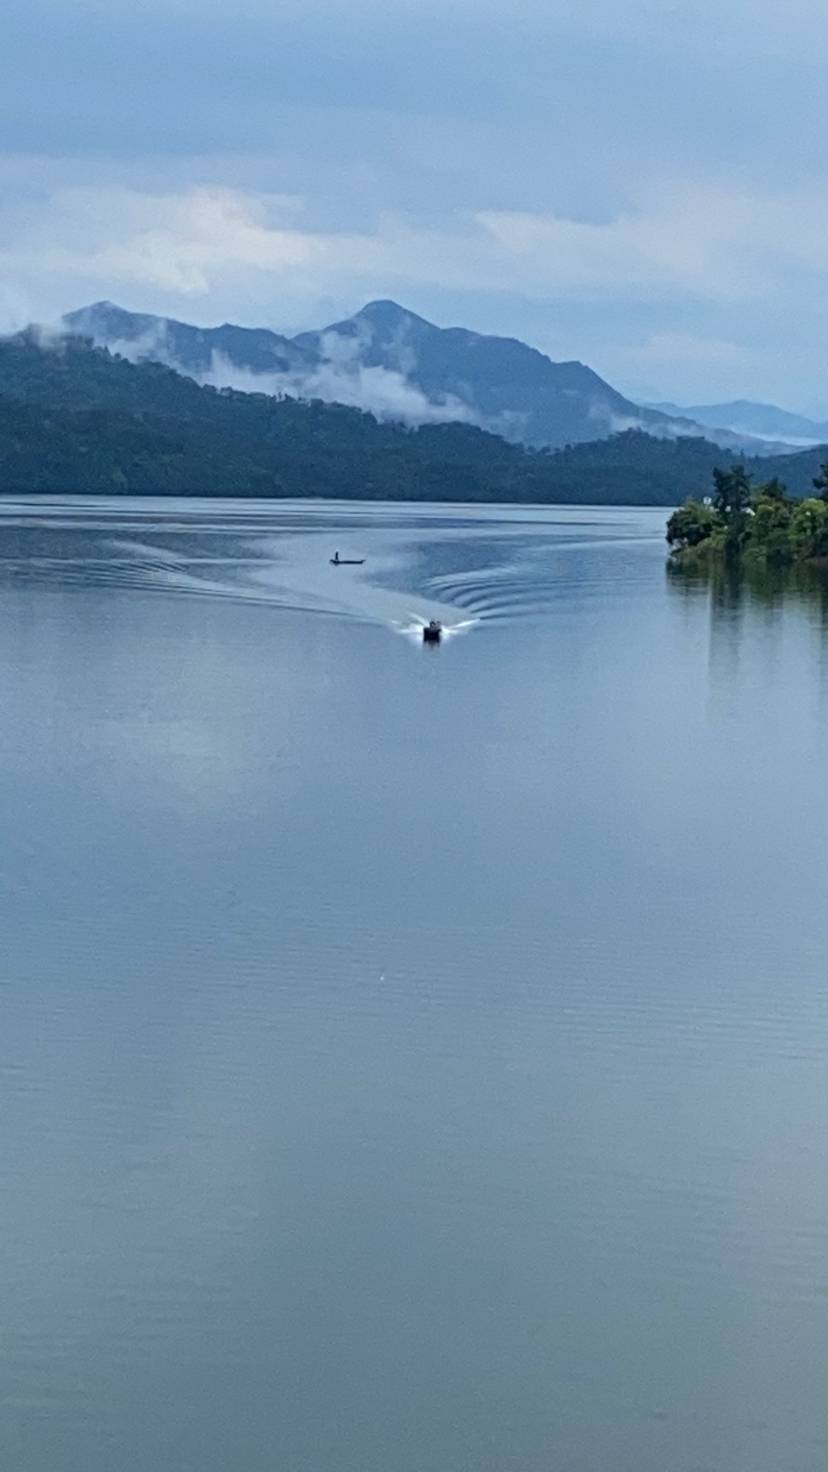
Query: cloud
178	243
706	241
582	173
699	253
380	391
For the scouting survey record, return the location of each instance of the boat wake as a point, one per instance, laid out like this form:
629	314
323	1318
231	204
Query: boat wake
413	630
456	568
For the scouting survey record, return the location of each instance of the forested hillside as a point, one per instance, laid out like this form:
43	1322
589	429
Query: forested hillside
74	418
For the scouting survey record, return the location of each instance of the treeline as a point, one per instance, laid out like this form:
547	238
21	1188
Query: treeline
74	418
742	520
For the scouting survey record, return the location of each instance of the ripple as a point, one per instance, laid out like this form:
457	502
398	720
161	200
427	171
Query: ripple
506	565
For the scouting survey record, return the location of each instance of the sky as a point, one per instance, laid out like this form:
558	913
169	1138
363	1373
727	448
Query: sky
642	186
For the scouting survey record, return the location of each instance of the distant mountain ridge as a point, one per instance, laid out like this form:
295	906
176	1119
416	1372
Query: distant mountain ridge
382	355
765	421
191	349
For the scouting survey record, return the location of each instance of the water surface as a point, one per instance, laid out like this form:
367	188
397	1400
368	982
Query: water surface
412	1060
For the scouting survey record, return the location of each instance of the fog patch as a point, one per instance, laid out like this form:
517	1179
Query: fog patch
383	392
668	429
151	344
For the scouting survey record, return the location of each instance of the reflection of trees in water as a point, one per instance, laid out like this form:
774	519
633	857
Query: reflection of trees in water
727	622
750	598
754	586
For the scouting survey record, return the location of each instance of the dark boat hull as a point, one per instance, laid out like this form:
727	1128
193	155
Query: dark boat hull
347	561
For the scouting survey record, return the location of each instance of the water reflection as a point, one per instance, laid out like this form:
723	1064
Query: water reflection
763	587
751	612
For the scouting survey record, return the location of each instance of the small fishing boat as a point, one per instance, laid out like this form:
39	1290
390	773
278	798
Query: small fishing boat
337	561
432	632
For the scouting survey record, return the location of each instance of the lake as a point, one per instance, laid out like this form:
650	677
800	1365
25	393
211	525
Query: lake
413	1060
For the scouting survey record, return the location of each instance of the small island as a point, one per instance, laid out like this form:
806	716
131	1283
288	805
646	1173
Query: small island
744	521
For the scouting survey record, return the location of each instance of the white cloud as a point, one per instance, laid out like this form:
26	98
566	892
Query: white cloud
381	391
179	243
705	241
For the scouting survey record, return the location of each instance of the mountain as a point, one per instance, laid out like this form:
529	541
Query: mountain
391	360
194	350
763	421
75	418
511	388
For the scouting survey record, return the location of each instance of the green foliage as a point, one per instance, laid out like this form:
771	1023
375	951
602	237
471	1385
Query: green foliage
809	528
768	534
732	492
693	523
760	524
78	418
731	499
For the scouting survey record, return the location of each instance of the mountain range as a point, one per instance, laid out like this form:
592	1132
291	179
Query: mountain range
76	418
762	421
401	367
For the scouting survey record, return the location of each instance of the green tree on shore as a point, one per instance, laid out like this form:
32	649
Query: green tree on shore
809	528
732	492
731	499
692	524
760	523
770	525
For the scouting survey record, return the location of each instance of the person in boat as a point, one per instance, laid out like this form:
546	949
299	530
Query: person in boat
336	557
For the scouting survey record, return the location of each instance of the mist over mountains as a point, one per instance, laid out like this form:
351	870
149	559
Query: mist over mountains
400	367
764	421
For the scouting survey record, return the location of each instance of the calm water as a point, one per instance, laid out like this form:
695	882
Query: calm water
411	1060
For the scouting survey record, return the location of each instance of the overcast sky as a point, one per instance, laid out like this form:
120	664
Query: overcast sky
640	185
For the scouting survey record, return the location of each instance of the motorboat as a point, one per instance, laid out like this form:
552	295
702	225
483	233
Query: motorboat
337	561
432	632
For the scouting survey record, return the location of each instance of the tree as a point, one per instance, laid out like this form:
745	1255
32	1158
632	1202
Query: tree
809	528
732	501
692	524
774	490
732	494
768	534
820	481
